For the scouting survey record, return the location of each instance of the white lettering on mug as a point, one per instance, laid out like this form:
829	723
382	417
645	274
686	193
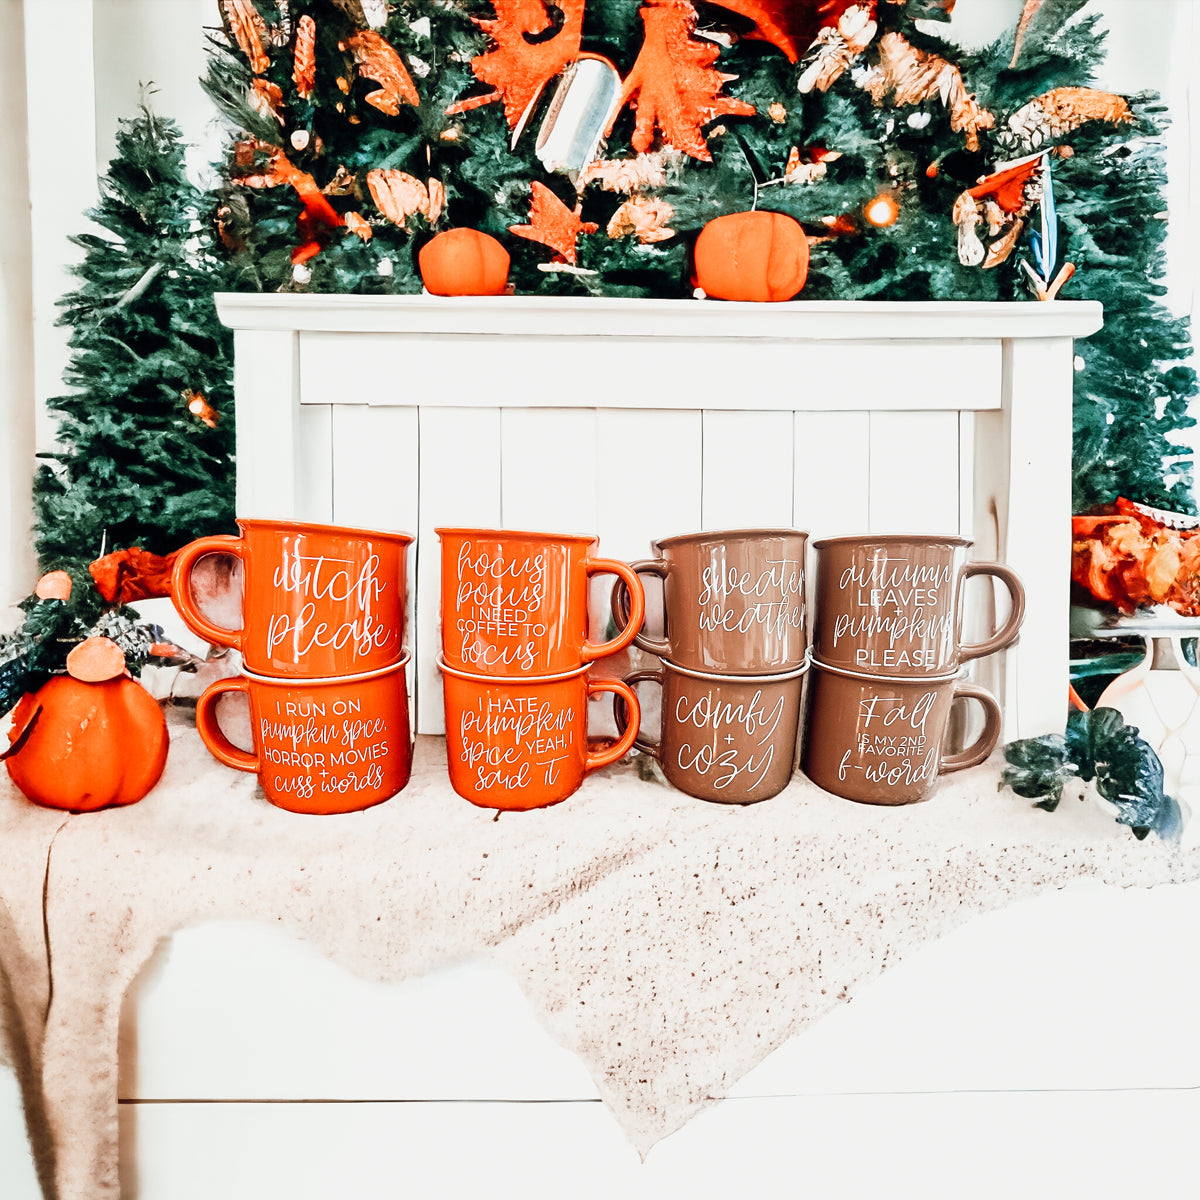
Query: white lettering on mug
721	756
332	581
777	595
313	741
504	740
903	600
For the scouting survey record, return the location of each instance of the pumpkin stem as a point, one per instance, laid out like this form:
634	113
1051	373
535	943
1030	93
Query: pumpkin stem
95	660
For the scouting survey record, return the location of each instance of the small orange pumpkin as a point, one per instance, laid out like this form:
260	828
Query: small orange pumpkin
464	262
83	746
751	256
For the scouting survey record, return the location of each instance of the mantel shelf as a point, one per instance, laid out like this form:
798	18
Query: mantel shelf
559	316
635	418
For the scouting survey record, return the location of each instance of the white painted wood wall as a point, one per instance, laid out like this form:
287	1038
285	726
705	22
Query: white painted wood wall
640	419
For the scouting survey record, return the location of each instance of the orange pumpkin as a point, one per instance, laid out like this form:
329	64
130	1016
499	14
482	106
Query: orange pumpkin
751	256
464	262
91	745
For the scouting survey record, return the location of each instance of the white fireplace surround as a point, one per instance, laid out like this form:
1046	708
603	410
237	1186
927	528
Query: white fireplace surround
636	419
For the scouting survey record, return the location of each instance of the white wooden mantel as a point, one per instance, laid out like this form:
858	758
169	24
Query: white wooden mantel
637	419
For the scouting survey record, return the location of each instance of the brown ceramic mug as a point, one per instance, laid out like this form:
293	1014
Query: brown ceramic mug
728	738
733	600
892	604
878	739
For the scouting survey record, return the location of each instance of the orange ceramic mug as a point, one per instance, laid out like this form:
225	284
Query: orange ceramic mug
320	745
515	604
317	600
522	743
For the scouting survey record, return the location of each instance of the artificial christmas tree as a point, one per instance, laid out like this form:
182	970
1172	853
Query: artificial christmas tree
147	433
890	146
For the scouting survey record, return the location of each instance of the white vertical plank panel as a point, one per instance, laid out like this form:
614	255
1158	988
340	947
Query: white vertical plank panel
649	478
1037	540
459	485
832	476
966	475
265	383
314	463
832	480
650	486
375	467
375	483
747	472
548	469
914	472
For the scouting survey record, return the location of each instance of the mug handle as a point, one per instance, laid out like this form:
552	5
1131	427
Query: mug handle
621	713
219	746
621	605
631	587
181	588
625	741
1016	594
973	755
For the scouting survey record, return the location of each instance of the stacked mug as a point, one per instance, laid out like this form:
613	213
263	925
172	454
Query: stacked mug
514	663
322	646
887	659
734	654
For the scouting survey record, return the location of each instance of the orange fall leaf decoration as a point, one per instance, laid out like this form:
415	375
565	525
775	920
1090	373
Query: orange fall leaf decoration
791	25
377	59
914	76
317	215
553	224
517	69
266	99
1008	186
248	29
399	195
359	227
673	85
304	62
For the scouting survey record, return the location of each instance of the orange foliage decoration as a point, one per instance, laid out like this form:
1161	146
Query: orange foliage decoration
1129	558
791	25
126	576
553	224
377	59
317	215
304	60
248	29
1061	111
913	76
673	85
515	68
1008	186
399	195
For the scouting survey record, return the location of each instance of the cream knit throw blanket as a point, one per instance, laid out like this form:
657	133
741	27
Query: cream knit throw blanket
669	943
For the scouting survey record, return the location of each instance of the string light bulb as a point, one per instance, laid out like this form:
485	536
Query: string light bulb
200	408
882	211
